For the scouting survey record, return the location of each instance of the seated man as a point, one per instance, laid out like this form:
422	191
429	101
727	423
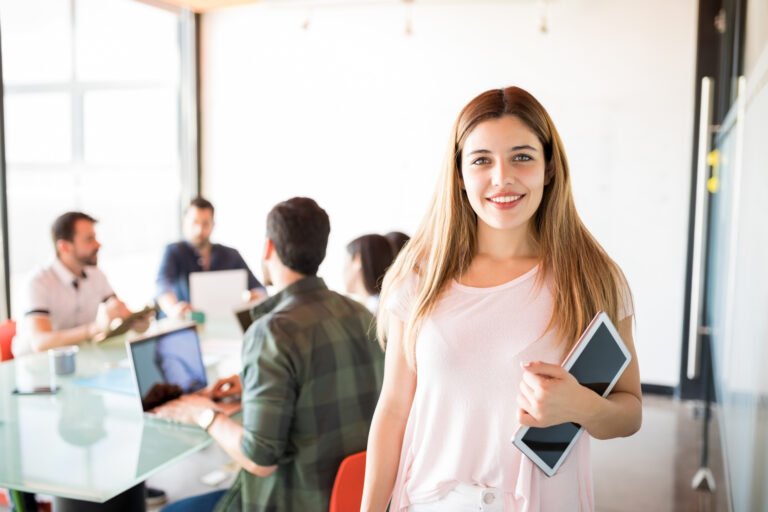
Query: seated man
70	300
196	254
312	373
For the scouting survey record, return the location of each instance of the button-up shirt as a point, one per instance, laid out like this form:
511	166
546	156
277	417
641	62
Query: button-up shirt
312	372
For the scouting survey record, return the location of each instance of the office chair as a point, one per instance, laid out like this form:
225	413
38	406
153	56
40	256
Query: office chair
7	332
347	490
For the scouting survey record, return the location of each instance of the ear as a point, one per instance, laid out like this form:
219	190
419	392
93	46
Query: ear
269	248
61	245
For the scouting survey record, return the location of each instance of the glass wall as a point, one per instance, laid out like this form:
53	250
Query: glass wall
92	95
737	295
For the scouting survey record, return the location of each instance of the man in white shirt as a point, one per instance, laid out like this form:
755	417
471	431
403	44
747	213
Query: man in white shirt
70	300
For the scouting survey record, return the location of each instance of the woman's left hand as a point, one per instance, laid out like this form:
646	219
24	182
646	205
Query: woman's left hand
549	395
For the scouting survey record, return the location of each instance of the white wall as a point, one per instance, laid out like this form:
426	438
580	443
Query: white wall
355	113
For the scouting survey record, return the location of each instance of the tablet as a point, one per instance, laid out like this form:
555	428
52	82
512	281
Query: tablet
597	361
122	326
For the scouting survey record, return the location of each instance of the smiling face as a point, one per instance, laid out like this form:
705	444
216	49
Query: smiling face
503	173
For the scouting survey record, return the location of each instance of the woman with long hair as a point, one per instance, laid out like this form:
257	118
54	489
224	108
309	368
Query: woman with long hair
480	308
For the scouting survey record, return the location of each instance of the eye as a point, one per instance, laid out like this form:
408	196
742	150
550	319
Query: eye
521	157
482	160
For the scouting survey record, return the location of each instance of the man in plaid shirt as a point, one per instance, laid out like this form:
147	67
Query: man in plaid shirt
312	373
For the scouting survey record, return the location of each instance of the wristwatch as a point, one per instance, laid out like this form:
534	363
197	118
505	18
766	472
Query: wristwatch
206	418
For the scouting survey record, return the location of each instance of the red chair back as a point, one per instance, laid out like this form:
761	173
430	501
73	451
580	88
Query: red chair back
7	332
347	491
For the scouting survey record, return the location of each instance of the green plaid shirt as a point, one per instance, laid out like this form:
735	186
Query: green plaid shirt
312	373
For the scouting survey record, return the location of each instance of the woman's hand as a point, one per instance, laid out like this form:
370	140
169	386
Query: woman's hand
549	395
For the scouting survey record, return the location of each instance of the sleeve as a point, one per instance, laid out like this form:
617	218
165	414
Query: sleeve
269	395
167	273
37	298
253	283
401	300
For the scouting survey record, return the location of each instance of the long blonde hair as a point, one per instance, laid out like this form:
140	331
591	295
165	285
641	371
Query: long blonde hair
585	280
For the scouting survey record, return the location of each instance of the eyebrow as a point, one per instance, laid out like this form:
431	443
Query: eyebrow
513	148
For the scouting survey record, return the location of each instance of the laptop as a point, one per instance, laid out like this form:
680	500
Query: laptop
217	293
169	365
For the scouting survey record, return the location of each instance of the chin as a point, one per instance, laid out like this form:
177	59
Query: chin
503	224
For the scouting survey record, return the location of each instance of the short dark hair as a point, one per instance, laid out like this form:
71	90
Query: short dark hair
299	230
396	240
201	203
64	226
375	258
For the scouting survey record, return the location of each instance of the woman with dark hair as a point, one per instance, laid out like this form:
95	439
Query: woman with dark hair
368	258
480	308
397	240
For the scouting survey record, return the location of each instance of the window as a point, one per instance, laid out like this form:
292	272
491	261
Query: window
92	118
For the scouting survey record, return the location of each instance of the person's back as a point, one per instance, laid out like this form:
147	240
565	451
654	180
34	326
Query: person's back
316	349
312	372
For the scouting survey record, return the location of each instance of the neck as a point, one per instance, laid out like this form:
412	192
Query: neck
72	265
285	277
506	243
203	248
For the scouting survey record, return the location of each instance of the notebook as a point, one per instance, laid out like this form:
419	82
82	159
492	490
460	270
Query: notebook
218	293
169	365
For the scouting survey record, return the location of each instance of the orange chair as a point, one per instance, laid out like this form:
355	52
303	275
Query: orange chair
347	493
7	332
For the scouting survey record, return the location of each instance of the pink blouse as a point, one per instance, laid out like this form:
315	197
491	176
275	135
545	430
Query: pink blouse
464	412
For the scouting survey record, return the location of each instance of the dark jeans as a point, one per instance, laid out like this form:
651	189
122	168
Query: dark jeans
201	503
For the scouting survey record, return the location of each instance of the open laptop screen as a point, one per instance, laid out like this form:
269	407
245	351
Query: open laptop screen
167	366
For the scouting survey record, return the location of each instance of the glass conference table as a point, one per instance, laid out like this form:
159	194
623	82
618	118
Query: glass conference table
90	441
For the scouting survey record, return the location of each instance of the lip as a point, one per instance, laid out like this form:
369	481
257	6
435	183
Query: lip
505	206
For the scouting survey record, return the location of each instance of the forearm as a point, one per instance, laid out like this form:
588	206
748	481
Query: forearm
228	434
46	340
385	442
619	415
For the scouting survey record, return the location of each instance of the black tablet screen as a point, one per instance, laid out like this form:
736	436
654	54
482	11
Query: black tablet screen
595	368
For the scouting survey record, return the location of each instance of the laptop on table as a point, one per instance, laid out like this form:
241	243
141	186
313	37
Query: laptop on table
169	365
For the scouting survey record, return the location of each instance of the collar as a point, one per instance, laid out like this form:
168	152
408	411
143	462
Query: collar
304	285
63	273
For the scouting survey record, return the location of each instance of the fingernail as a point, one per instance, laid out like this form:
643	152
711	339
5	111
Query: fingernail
525	364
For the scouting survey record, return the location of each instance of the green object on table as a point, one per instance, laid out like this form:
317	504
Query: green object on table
197	316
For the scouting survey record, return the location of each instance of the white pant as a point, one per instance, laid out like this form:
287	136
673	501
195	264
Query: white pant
465	498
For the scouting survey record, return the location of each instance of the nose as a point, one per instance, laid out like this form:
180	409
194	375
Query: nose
502	173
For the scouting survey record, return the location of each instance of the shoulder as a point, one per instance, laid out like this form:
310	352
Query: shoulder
400	295
176	248
229	253
41	275
309	315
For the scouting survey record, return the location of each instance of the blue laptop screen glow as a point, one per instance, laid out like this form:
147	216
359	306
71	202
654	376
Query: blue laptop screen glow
168	366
